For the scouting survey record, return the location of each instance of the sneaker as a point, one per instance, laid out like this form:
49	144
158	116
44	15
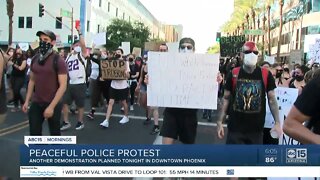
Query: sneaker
105	123
124	120
147	121
131	108
79	126
90	116
65	126
155	130
122	109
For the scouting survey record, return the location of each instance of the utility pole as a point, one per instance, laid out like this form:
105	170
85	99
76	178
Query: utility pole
71	29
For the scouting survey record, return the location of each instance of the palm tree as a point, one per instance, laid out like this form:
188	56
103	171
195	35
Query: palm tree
10	12
264	19
280	29
253	15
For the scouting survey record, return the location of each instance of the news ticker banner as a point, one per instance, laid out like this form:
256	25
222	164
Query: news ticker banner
40	154
166	171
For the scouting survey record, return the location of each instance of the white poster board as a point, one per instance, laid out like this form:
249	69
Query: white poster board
125	47
24	46
310	39
100	39
314	51
173	47
286	98
269	59
183	80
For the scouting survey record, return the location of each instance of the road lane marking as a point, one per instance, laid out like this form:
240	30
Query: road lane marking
13	126
24	124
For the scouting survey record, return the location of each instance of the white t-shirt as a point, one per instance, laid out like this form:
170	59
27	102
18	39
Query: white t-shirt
121	84
76	70
94	70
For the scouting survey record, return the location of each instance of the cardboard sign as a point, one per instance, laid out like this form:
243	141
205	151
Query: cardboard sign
231	45
295	56
113	69
152	46
136	51
183	80
269	59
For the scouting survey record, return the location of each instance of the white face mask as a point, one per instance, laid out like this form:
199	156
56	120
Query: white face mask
104	56
186	50
77	49
250	59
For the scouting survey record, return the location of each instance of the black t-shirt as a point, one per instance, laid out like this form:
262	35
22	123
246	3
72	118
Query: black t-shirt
16	72
248	110
308	102
134	68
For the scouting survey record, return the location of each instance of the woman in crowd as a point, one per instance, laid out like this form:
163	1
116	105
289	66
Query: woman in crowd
298	79
134	74
18	75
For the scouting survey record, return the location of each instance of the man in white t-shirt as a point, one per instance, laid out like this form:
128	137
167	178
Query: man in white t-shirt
76	90
118	92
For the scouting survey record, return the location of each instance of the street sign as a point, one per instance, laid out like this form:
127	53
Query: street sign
254	32
65	13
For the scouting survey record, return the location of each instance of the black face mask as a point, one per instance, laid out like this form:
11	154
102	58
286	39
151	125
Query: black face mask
278	74
44	47
299	78
286	69
131	59
117	56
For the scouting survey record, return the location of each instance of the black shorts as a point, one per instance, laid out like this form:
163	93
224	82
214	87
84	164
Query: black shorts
119	94
180	124
244	138
77	93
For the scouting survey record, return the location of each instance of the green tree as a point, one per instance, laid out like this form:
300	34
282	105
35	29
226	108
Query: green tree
124	31
10	6
214	49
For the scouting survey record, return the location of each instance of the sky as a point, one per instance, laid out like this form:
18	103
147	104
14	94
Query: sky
201	19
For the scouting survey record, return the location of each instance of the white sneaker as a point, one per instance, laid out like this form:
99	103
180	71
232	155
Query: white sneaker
122	109
131	108
124	120
105	123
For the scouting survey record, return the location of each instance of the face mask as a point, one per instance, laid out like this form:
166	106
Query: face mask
286	69
117	56
44	47
186	50
250	59
77	49
104	56
130	59
299	78
278	74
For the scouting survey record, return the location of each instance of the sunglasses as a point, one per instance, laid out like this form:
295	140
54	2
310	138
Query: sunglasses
254	52
189	47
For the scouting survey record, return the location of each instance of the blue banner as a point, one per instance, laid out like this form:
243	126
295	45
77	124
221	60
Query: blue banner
169	155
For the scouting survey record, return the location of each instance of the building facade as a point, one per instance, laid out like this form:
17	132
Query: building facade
94	15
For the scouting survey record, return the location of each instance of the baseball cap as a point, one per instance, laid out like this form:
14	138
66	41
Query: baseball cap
48	33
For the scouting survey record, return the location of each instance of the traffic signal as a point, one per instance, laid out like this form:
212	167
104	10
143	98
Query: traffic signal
69	39
218	36
41	10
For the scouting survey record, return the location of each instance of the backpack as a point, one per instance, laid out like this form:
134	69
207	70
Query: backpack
235	73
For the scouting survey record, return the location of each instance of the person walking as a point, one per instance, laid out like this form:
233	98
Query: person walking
47	84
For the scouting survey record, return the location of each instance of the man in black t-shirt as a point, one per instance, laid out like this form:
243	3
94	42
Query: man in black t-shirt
248	90
306	108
